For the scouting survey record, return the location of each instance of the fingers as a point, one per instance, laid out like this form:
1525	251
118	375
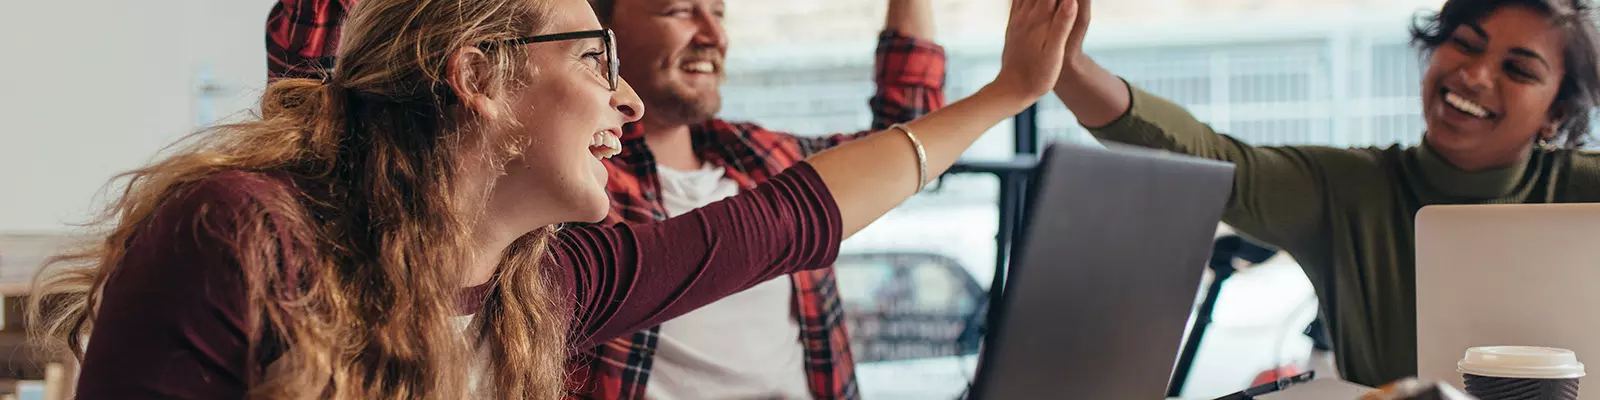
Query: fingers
1046	8
1029	8
1083	11
1063	25
1028	12
1080	27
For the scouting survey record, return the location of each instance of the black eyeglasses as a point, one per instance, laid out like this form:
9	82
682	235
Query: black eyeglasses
608	40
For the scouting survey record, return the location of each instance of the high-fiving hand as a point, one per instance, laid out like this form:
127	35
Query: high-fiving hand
1080	29
857	173
1036	43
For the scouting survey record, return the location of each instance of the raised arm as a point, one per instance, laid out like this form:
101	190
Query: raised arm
303	37
796	220
1093	94
874	174
913	18
1278	196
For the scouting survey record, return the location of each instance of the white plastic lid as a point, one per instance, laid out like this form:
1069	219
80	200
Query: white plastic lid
1521	362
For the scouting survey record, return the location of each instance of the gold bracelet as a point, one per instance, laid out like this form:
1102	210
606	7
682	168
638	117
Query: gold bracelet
922	156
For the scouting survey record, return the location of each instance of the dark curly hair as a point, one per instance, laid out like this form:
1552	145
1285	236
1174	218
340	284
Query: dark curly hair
1580	87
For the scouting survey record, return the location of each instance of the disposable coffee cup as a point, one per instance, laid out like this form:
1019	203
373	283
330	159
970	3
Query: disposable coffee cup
1521	373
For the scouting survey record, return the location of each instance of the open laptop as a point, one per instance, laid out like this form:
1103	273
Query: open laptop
1507	275
1104	275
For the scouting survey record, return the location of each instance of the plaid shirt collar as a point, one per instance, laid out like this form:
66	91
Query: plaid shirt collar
721	143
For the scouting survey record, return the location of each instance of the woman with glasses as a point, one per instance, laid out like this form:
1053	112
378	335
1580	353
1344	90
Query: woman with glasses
1507	98
390	231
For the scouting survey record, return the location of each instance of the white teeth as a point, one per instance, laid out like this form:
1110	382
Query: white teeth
1464	105
605	144
703	67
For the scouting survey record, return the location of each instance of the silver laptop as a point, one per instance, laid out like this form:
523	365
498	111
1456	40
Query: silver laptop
1105	274
1507	275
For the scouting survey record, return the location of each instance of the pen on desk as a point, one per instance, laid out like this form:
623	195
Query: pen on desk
1269	387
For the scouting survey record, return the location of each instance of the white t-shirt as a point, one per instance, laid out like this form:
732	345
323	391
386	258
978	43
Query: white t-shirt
741	347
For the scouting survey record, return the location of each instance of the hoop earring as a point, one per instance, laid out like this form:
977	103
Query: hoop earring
1545	143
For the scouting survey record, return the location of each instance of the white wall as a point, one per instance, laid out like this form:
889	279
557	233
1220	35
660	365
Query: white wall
90	88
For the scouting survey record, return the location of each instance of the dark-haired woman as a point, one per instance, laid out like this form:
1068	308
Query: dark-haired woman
1506	97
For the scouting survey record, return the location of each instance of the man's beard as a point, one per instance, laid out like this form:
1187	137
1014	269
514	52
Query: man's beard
682	102
681	105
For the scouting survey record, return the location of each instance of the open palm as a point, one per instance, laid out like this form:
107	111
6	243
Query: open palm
1036	41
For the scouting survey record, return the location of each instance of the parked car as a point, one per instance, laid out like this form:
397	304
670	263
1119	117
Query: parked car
915	322
908	305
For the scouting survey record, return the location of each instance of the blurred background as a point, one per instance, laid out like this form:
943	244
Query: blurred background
95	87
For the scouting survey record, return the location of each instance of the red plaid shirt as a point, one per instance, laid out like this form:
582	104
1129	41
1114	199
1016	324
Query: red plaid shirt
303	36
301	40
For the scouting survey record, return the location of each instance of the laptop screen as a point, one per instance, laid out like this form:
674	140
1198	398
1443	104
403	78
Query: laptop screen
1103	278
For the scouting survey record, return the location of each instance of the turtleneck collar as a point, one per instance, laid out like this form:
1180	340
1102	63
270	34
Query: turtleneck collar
1453	182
